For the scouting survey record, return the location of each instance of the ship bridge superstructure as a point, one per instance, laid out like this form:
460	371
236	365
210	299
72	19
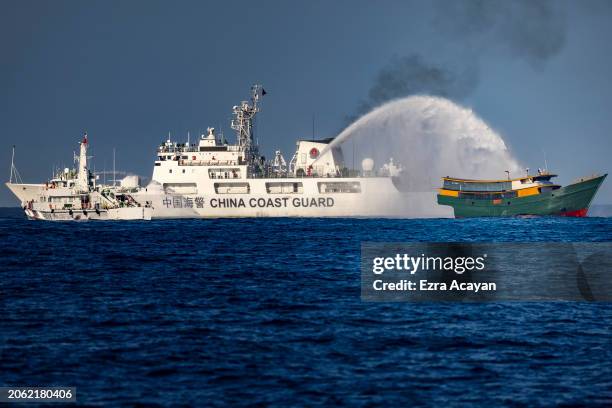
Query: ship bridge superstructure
486	189
180	166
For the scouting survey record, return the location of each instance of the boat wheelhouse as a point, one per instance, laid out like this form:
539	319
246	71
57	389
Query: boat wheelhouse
498	189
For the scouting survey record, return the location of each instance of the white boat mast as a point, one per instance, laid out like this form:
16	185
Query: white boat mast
12	165
114	167
14	171
82	183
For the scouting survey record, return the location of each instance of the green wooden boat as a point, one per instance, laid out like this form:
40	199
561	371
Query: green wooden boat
529	195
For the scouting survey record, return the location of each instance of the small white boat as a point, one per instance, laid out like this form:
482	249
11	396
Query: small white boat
73	195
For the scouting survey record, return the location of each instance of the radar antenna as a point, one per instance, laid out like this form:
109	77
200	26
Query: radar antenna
243	123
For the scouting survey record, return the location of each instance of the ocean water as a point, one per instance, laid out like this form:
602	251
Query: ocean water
258	312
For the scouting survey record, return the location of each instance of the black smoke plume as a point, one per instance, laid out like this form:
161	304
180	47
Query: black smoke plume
532	30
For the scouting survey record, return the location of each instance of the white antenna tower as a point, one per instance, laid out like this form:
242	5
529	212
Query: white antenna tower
244	117
114	183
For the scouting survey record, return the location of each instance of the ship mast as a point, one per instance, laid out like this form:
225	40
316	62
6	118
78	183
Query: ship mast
12	165
243	122
82	183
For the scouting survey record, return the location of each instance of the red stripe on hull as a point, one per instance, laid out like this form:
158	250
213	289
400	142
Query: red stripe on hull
577	213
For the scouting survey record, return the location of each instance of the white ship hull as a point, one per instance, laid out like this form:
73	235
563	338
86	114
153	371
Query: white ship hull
114	214
40	202
378	197
416	206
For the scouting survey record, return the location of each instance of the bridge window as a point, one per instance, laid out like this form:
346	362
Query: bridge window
284	188
232	188
477	186
180	188
224	173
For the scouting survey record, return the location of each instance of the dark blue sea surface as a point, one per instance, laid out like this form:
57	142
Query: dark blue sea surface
268	312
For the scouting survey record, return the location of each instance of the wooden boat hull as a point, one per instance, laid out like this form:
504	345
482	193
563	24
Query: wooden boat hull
571	201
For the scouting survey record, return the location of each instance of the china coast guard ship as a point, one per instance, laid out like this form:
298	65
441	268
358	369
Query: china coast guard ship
212	178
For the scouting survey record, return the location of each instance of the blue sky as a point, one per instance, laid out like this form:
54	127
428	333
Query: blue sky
130	72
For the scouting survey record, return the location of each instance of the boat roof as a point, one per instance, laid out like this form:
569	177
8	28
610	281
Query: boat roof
534	177
327	140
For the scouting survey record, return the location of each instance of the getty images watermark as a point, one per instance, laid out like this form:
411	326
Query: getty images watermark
486	271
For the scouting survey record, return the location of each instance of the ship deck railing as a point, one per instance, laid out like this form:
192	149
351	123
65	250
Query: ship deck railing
209	163
306	176
586	178
193	149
